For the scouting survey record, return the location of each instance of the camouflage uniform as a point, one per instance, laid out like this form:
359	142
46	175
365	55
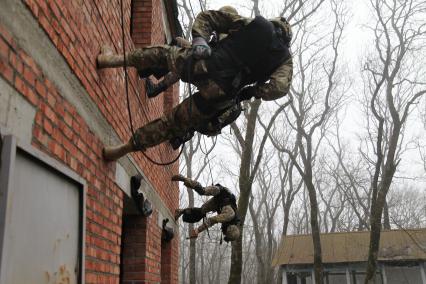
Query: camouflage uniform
188	116
154	89
226	211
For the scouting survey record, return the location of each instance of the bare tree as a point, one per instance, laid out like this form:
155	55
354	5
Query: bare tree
394	88
407	208
246	174
289	189
332	197
193	165
298	11
308	122
263	214
353	178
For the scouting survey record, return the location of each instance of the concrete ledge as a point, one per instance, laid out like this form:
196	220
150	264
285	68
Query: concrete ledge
16	113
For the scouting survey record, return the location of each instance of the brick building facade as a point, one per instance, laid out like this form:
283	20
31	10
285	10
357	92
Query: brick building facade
58	105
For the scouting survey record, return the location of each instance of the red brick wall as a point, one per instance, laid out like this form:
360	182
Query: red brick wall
141	22
134	248
78	29
145	256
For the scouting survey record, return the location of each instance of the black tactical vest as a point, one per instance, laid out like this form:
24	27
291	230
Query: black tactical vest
257	49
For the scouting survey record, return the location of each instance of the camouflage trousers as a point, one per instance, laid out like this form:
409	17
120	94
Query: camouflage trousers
226	214
186	116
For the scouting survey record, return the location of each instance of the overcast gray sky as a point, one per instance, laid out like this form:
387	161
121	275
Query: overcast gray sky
357	41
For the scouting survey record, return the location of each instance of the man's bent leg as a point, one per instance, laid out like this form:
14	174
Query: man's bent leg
160	57
150	135
226	215
176	123
210	205
190	214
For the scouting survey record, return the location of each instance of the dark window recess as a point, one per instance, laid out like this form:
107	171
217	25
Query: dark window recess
132	13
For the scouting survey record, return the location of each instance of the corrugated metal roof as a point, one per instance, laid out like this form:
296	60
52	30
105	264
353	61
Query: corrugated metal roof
352	247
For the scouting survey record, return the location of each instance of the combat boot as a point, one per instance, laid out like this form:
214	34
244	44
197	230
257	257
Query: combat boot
113	153
152	90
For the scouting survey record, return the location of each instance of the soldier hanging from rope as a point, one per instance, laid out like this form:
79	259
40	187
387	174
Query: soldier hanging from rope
154	89
254	60
223	202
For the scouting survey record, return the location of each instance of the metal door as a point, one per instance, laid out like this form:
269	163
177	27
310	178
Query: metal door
42	229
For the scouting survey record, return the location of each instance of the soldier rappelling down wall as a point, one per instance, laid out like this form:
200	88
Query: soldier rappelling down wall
154	89
254	60
223	202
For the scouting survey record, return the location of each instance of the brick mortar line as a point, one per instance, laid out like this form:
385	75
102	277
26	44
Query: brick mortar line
100	259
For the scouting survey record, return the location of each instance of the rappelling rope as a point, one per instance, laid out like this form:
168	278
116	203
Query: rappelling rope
125	72
192	10
128	101
201	6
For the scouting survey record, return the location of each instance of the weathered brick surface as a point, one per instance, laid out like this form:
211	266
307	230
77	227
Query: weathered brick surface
78	29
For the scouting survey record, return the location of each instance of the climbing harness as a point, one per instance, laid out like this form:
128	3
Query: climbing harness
128	100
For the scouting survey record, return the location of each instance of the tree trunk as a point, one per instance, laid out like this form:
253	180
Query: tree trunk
201	259
236	260
374	246
386	220
285	228
318	267
376	218
192	243
182	257
192	254
245	190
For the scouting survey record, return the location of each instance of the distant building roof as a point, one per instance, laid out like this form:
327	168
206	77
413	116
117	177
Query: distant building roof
352	247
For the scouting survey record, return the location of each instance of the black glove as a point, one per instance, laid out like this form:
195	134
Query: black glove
200	48
247	93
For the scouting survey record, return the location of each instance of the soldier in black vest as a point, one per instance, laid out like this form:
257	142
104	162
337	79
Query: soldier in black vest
254	60
223	203
154	89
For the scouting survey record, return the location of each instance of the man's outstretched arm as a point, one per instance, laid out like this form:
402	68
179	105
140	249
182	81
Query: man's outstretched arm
277	86
226	215
211	190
